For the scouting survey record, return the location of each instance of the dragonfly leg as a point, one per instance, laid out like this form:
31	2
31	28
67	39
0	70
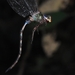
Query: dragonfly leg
35	28
20	48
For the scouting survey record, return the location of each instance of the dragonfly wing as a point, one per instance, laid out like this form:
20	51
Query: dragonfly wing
20	7
32	4
23	7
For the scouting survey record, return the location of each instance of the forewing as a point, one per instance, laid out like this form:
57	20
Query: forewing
20	7
32	5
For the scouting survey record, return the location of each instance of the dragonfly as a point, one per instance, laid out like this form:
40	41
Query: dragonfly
27	8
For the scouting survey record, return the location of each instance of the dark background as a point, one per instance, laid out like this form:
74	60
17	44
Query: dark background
36	62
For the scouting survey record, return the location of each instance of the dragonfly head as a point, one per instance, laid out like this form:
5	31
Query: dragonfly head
48	18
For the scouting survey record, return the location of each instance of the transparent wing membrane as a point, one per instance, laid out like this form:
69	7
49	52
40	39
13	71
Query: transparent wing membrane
23	7
32	4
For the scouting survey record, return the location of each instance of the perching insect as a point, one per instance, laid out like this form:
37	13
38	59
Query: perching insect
25	8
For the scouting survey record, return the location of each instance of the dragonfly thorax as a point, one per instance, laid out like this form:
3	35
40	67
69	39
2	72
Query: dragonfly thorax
38	17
